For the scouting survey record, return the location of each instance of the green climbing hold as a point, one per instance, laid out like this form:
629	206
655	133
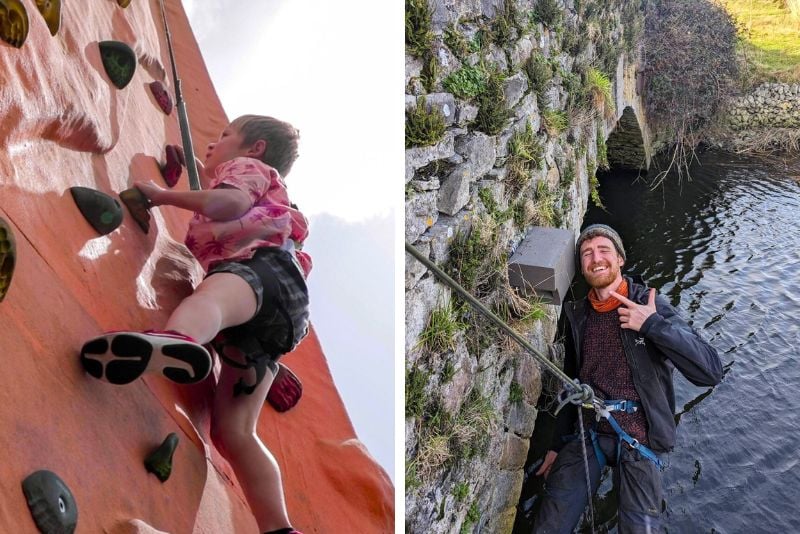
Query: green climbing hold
123	3
137	204
103	212
51	503
51	11
13	22
7	257
119	61
159	462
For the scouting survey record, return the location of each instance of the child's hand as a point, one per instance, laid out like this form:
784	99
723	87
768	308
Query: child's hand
151	190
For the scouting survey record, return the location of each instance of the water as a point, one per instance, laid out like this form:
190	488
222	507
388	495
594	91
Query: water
724	249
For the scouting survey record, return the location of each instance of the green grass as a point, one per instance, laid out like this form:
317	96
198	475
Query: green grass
525	153
555	121
598	91
771	38
416	380
443	326
492	111
460	491
424	127
515	394
419	35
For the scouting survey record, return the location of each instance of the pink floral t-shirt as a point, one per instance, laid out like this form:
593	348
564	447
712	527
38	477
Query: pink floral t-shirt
270	222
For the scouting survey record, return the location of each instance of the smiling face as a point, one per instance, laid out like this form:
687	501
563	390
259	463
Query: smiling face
601	264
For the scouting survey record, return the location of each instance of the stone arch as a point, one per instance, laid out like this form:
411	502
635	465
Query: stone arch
626	146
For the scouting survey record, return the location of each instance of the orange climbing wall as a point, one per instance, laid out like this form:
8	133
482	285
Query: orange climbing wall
64	124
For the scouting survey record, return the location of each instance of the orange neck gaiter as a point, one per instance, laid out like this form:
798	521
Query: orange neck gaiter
610	303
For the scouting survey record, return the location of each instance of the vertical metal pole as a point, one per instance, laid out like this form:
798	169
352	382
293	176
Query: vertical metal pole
183	119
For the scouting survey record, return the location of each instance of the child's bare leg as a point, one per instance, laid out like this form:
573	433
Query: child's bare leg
233	428
220	301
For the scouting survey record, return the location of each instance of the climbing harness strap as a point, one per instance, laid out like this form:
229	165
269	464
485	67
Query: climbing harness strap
255	354
624	436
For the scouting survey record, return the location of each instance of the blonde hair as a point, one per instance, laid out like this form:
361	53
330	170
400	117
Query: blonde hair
281	137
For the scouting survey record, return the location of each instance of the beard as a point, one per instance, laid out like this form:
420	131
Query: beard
602	279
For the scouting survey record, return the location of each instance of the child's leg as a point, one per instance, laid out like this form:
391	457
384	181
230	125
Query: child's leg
233	428
220	301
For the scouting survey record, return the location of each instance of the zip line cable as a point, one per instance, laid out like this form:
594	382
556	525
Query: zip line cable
183	119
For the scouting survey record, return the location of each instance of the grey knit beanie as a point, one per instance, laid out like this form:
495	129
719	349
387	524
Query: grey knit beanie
600	230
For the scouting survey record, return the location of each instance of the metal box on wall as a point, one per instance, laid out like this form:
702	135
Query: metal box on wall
544	264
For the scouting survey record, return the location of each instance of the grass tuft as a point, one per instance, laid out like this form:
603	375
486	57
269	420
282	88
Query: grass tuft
424	127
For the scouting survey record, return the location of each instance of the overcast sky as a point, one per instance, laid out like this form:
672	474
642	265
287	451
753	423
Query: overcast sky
332	70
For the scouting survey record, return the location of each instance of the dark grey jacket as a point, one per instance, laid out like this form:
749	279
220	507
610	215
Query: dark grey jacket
664	342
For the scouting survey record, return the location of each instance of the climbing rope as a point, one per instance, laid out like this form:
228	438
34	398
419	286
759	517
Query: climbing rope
183	118
581	394
586	470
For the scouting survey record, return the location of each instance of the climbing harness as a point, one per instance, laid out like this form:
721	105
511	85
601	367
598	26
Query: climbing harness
628	407
183	119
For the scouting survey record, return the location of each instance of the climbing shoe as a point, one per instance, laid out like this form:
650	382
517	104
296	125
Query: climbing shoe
286	389
122	357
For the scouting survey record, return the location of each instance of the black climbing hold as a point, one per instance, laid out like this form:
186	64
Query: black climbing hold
103	212
51	11
7	257
13	22
162	96
137	205
119	61
51	503
159	462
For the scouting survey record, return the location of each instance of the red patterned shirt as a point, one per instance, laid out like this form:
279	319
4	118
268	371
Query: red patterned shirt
270	222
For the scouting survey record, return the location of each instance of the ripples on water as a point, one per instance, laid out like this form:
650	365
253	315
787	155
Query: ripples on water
724	248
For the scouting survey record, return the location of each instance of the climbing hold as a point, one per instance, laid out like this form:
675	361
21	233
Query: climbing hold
51	503
119	61
7	257
51	11
171	171
13	22
159	462
137	205
124	3
162	96
102	211
285	390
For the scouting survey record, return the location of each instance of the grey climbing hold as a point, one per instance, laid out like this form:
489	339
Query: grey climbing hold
102	211
51	503
159	462
119	60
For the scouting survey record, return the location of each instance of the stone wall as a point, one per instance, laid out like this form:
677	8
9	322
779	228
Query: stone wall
771	104
472	194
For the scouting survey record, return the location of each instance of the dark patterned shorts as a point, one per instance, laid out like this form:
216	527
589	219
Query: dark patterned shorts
281	319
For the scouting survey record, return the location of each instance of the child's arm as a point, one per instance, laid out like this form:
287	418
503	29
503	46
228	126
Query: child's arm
221	204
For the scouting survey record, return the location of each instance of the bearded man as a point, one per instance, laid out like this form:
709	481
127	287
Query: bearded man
625	342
